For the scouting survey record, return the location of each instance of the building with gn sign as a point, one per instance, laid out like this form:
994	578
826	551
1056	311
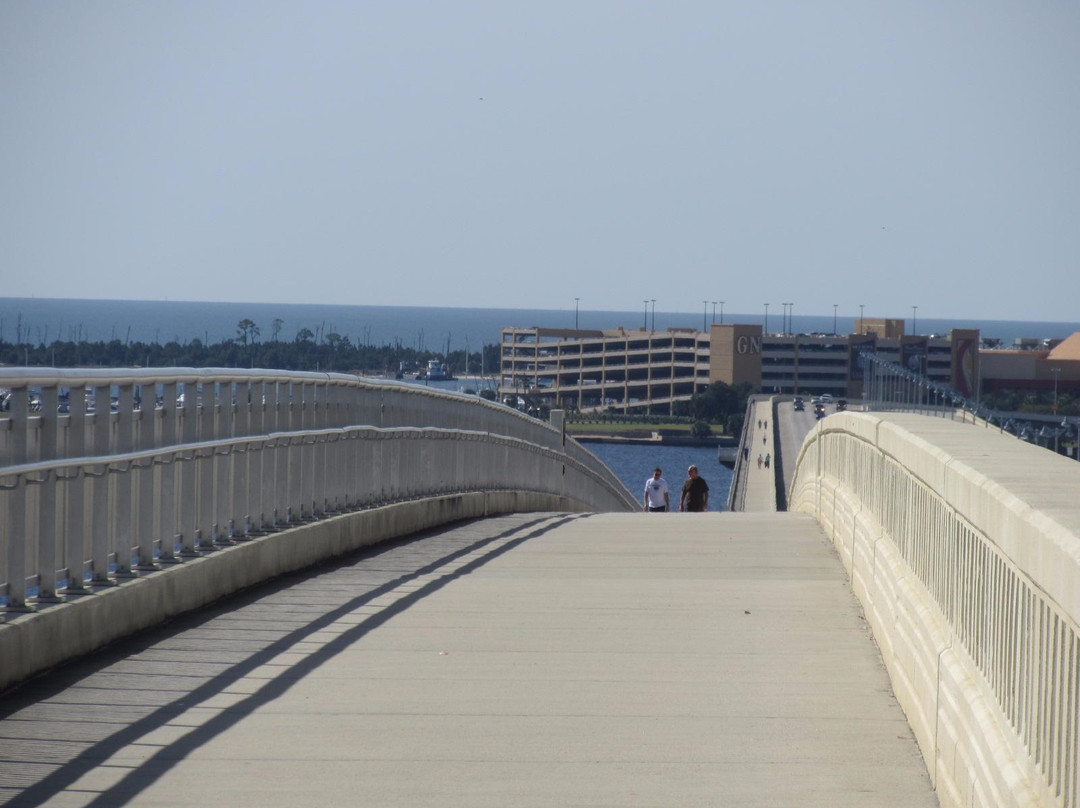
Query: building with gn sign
646	371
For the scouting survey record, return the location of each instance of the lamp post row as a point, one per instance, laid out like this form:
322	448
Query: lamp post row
788	324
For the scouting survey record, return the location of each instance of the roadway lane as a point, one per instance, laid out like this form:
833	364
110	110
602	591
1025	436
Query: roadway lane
794	427
529	660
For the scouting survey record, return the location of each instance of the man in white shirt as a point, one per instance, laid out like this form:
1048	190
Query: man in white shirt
656	493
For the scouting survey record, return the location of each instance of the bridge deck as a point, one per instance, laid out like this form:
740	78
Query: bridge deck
678	659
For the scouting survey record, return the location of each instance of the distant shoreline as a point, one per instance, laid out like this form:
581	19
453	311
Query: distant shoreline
418	327
657	441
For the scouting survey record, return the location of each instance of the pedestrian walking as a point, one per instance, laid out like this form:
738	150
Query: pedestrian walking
695	492
768	457
759	461
656	497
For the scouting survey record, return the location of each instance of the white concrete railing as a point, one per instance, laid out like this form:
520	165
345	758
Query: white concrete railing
91	498
964	548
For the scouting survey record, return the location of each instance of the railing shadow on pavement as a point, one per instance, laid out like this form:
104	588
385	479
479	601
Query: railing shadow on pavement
148	771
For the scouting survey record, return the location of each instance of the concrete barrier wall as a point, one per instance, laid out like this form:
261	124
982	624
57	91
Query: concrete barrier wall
964	548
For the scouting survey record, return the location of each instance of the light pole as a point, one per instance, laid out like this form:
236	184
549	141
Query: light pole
721	312
834	305
576	299
862	328
714	311
645	327
653	301
705	316
914	330
1055	371
766	318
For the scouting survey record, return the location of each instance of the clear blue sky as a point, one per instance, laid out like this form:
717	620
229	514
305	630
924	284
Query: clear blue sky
508	154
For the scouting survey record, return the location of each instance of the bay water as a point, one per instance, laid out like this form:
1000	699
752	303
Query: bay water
633	464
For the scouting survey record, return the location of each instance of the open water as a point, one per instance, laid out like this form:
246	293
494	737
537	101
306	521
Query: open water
633	463
44	320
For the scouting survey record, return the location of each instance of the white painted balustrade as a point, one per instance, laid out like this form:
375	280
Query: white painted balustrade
107	475
964	547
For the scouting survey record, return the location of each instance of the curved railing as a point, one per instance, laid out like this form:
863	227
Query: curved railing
95	494
737	491
964	548
49	409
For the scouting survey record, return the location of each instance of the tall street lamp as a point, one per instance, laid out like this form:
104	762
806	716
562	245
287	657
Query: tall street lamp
766	318
862	328
653	301
834	305
721	312
705	316
714	311
914	329
645	327
1055	371
576	299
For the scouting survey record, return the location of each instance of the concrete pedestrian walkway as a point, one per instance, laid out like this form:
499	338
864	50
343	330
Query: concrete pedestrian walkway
710	659
760	481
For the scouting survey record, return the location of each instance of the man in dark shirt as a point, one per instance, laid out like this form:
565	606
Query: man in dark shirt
695	492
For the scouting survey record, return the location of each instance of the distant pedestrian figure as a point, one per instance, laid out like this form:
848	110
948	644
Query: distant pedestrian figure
656	493
765	425
695	492
746	453
759	461
763	439
768	457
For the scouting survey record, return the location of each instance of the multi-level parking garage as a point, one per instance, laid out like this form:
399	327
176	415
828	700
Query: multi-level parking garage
589	370
646	371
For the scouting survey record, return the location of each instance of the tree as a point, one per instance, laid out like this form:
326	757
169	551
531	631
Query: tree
305	335
700	429
275	328
247	331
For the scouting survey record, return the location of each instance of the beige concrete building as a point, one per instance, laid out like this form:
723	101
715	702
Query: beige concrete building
579	369
646	371
1034	369
829	363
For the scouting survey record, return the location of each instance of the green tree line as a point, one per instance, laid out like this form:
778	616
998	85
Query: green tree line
330	352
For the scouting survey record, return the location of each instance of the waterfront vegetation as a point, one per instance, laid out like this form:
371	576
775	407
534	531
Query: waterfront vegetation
309	350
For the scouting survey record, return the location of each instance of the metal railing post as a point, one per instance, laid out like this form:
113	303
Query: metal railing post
167	526
46	495
124	481
101	491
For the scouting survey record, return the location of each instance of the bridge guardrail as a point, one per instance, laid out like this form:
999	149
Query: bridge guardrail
92	492
972	590
94	524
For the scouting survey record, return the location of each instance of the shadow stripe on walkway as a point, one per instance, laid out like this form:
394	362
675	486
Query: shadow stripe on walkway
675	659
